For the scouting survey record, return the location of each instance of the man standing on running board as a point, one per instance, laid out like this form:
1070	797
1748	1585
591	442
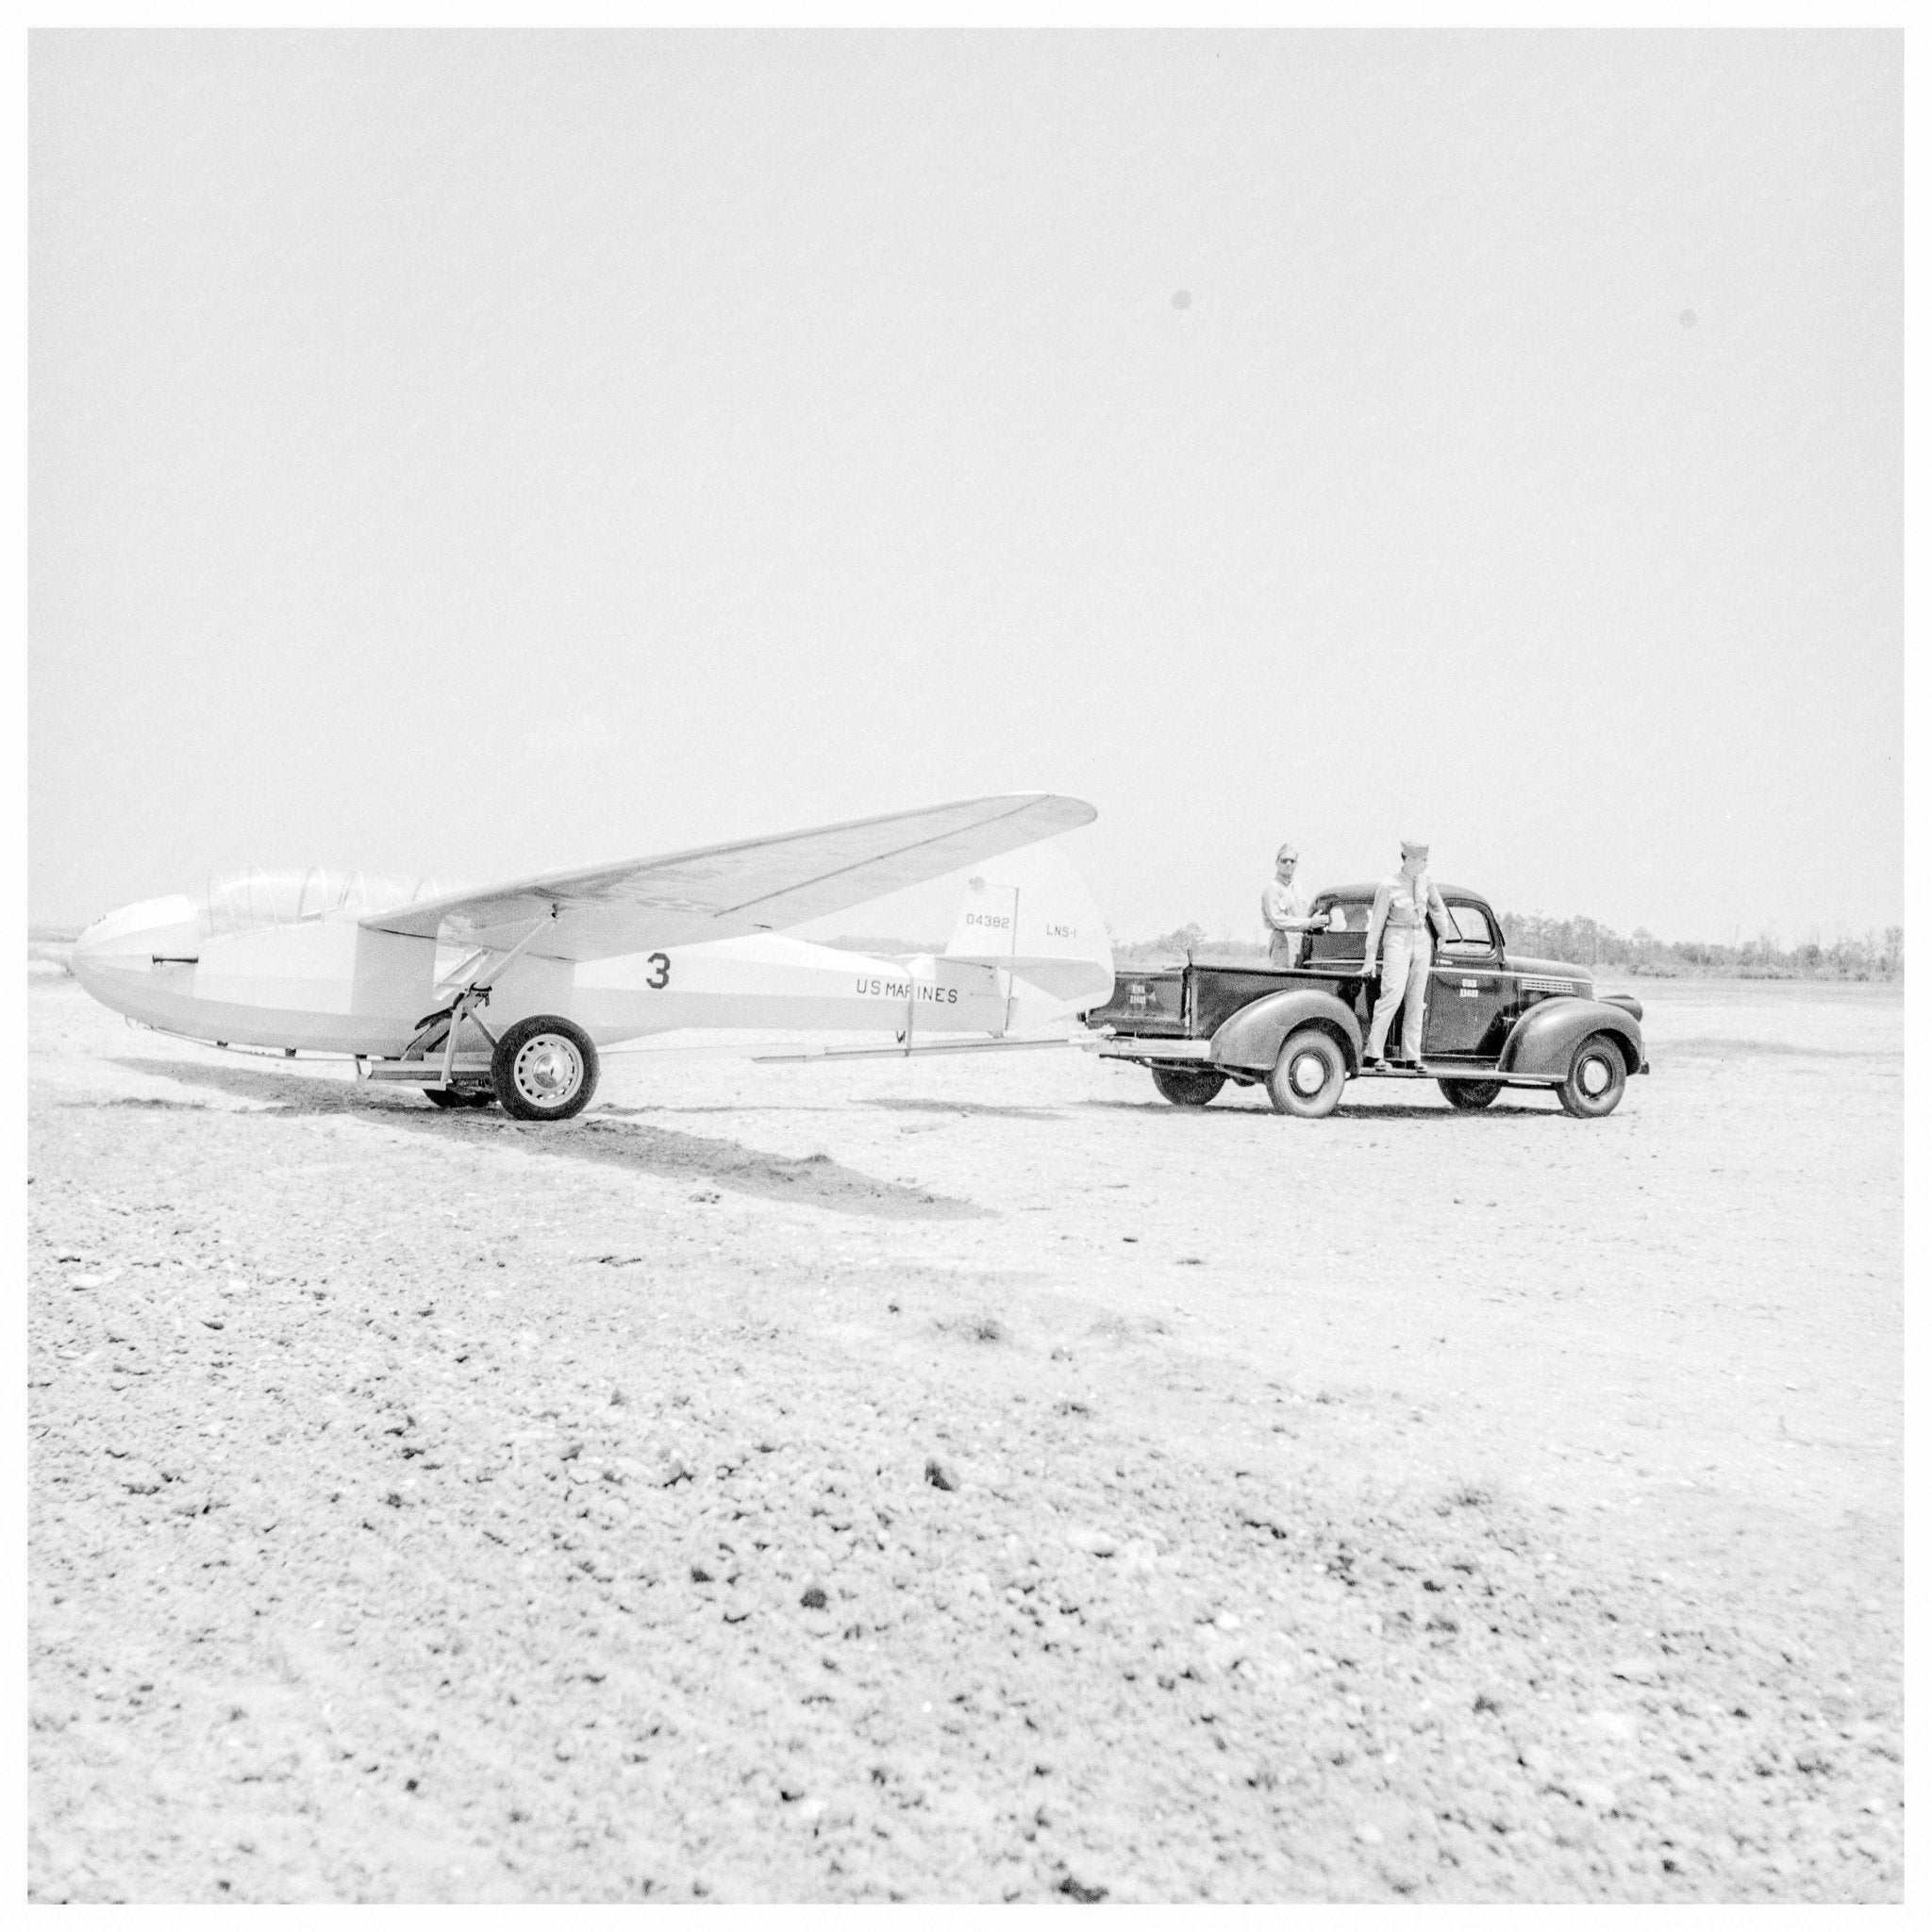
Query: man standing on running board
1407	902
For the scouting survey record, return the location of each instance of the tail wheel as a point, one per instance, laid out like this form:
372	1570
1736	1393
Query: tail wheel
1308	1074
545	1069
1596	1078
1188	1085
451	1098
1470	1096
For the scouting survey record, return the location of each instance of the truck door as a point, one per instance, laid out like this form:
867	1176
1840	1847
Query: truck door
1469	990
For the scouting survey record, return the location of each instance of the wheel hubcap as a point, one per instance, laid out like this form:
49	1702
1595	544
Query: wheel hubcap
1308	1074
1595	1076
547	1071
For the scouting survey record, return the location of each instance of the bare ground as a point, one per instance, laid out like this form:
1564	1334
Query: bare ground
958	1480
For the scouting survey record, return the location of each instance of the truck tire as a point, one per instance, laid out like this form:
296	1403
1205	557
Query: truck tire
1470	1096
1308	1074
545	1069
1595	1081
1189	1086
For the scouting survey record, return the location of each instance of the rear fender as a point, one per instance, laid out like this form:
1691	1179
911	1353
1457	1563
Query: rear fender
1251	1038
1541	1042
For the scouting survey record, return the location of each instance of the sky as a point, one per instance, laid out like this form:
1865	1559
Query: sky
470	454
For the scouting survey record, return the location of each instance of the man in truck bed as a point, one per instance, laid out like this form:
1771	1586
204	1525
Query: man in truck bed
1285	910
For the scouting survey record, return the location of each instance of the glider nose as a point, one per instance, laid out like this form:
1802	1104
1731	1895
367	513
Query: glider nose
117	953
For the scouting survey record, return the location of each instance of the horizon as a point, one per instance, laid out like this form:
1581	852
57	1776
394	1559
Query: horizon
56	932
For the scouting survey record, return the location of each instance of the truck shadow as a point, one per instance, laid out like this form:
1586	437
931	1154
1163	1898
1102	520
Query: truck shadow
1405	1111
815	1180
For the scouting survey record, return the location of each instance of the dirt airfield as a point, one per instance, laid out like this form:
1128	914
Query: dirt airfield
969	1480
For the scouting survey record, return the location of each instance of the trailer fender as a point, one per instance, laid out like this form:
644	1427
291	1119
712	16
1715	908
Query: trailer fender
1541	1042
1251	1038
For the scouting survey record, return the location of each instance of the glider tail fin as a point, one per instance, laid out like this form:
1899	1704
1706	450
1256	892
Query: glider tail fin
1039	923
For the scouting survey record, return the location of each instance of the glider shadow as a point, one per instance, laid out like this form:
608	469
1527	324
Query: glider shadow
816	1180
968	1106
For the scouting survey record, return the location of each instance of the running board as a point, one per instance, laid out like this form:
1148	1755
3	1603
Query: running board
1437	1070
1147	1050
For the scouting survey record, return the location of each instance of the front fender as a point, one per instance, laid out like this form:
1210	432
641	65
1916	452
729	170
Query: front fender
1541	1042
1251	1038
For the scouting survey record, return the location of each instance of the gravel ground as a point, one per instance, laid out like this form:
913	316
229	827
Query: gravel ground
967	1481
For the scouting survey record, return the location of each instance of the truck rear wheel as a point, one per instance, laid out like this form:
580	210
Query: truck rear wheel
1189	1086
1594	1083
1308	1074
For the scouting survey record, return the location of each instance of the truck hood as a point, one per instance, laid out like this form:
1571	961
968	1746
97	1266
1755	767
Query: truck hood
1551	969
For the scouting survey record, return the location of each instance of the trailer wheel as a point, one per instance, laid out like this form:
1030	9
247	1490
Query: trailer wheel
1594	1083
1308	1074
1189	1086
1470	1096
545	1069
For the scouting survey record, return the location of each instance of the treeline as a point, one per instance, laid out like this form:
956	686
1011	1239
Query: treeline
1584	942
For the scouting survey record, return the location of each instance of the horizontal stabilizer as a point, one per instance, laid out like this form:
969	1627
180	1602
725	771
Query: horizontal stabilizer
1038	921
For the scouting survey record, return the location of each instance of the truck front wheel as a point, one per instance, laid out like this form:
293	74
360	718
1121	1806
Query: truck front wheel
1188	1085
1594	1083
1308	1074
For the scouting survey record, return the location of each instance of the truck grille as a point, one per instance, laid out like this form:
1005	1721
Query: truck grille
1534	982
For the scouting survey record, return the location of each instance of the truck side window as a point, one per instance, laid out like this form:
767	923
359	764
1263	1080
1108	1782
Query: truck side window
1473	933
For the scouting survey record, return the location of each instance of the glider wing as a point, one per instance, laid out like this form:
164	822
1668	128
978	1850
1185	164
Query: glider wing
723	891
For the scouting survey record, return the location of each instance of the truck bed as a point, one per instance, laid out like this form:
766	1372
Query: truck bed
1191	1002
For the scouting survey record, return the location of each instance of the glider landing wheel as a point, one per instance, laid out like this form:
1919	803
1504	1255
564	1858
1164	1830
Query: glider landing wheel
545	1069
1188	1085
1470	1096
451	1098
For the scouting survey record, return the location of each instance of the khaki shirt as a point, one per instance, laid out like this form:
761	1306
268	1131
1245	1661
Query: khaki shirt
1280	904
1403	901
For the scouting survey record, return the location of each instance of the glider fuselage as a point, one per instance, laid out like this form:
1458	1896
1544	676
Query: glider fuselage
329	983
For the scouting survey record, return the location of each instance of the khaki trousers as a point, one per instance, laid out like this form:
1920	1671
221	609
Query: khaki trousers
1405	953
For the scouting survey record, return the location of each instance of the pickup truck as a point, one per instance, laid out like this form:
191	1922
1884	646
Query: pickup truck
1492	1019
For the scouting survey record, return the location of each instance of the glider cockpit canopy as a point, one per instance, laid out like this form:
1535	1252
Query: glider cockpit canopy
239	901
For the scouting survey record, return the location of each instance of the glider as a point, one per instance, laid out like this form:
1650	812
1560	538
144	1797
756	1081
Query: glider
505	995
